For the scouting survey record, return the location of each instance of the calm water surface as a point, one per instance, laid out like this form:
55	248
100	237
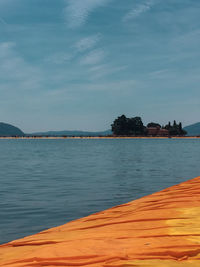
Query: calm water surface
45	183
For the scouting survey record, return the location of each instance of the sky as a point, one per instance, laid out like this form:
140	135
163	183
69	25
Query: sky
79	64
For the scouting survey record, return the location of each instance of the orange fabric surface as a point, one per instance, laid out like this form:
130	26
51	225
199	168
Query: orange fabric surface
162	229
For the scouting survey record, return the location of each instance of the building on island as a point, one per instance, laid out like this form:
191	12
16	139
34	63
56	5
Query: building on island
157	131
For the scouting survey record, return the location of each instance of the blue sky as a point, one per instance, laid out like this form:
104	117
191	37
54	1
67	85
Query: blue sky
78	64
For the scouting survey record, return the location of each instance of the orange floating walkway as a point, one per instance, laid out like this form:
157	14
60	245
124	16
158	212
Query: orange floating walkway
162	230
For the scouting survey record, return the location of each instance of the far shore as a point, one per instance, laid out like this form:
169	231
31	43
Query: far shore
99	137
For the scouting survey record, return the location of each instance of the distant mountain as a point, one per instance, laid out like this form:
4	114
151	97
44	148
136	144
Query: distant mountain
193	129
71	133
9	130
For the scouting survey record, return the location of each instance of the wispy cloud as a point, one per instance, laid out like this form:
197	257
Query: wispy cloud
6	49
122	85
139	10
78	11
160	74
59	58
15	72
87	42
3	21
103	70
92	58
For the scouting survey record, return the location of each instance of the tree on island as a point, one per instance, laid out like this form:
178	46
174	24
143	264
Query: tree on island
175	129
153	124
128	126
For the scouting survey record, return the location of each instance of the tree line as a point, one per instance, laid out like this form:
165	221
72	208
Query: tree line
134	127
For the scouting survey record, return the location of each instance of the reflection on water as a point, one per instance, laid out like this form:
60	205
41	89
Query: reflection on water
45	183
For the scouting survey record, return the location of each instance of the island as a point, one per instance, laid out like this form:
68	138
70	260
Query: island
123	126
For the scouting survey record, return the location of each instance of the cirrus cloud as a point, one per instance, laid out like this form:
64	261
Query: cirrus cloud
94	57
78	11
139	10
87	42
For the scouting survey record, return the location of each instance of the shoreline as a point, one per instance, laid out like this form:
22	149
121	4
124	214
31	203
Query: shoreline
99	137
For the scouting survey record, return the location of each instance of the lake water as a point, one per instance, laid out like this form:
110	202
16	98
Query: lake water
45	183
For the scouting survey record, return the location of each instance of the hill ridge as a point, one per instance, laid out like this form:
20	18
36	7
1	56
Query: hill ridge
193	129
7	129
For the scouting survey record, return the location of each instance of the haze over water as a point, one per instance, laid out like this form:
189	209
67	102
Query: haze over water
45	183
